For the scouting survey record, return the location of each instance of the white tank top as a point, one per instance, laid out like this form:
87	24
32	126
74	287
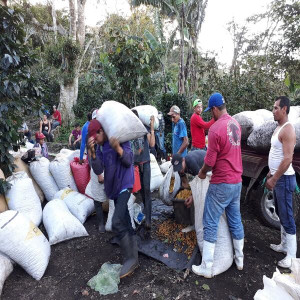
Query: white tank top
276	154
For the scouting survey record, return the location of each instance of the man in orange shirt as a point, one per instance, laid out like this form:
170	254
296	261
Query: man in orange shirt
198	127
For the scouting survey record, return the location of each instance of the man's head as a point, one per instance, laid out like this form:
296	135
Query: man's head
197	105
96	131
178	163
77	126
217	105
54	108
174	113
281	108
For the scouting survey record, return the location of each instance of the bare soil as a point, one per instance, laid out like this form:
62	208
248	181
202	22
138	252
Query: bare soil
74	262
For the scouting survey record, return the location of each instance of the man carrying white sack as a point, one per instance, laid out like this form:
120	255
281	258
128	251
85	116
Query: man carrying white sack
282	179
224	158
116	160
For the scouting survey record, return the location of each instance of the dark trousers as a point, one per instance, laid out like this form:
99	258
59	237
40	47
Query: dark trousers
145	176
48	136
121	222
283	196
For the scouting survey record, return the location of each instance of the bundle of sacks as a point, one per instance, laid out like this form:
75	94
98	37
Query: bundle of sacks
258	127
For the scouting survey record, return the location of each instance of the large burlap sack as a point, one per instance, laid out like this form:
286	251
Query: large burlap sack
81	173
164	189
108	225
94	189
3	204
24	243
156	175
6	267
260	138
41	173
78	204
60	224
223	257
164	167
61	172
120	122
294	113
297	131
21	166
248	120
70	154
145	112
23	198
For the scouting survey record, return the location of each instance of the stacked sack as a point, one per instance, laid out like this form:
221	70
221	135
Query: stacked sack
258	127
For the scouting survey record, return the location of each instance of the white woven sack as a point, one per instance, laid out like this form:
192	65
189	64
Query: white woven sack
164	167
41	173
60	224
88	189
22	197
120	122
156	175
296	125
78	204
164	192
61	172
24	243
97	189
260	137
108	225
294	113
223	257
145	112
6	267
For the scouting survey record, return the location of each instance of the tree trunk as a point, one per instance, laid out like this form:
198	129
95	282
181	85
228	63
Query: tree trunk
67	99
72	20
54	20
81	23
181	77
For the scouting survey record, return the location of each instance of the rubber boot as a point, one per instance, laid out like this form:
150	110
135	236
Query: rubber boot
205	269
291	246
130	255
100	217
147	212
282	246
238	246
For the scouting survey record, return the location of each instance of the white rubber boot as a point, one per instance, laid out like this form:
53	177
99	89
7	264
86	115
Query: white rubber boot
282	246
205	269
291	246
238	246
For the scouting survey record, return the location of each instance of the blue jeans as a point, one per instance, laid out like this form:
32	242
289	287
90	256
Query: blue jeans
54	124
195	148
220	197
121	222
283	196
160	142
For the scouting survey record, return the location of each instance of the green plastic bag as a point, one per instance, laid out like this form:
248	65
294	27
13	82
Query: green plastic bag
107	280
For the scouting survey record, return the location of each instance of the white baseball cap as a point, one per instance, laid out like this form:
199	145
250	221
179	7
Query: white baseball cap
94	114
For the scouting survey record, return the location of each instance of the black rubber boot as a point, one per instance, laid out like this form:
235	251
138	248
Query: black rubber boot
147	212
100	217
130	255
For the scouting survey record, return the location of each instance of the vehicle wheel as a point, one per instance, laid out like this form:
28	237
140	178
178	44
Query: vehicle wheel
265	207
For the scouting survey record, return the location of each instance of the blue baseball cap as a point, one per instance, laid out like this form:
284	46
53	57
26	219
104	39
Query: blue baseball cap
216	99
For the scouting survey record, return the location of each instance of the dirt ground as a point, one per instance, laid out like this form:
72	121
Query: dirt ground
74	262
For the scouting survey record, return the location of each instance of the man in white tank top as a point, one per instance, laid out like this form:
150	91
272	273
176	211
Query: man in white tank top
281	178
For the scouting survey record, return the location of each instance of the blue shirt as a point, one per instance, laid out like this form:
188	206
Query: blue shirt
179	132
84	132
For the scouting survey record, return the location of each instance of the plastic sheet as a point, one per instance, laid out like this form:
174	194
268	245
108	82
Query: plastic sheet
107	280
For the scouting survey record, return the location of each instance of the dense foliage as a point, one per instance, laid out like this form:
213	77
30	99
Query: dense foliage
19	94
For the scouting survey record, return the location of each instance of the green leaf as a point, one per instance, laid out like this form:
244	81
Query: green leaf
205	287
196	282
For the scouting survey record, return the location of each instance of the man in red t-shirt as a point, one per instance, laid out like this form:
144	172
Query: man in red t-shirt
224	159
56	118
198	127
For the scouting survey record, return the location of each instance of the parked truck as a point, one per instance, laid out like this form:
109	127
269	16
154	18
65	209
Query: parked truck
255	169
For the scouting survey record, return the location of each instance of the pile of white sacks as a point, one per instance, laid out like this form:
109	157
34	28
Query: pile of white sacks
21	241
258	127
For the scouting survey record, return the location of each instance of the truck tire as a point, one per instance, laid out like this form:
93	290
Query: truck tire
265	207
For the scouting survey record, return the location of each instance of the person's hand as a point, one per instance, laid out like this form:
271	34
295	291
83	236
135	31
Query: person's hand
152	123
100	178
70	144
91	143
114	143
189	201
201	174
270	183
81	161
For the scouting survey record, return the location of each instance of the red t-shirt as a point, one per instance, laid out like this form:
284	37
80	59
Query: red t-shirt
198	127
57	116
224	151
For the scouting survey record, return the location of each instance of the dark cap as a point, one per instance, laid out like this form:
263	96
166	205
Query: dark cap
93	128
177	162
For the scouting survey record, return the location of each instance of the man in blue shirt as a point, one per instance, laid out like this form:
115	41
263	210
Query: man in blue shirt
180	139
